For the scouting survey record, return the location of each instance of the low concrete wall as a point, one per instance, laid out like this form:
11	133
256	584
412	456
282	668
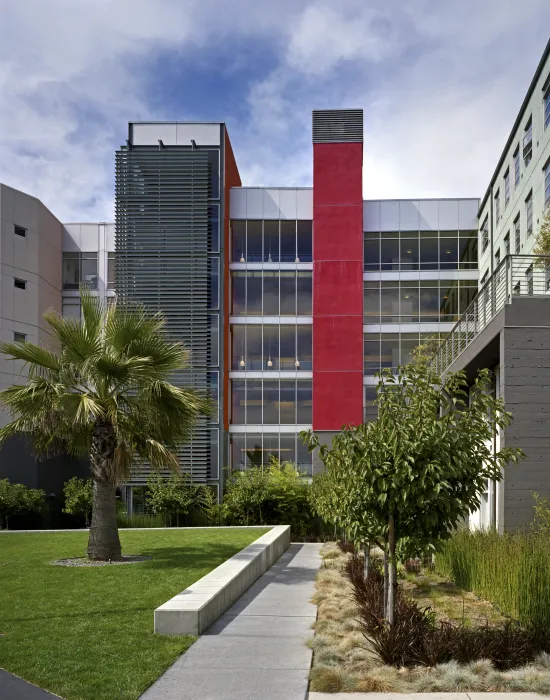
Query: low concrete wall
197	607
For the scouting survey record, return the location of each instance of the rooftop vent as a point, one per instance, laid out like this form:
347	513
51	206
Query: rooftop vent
337	125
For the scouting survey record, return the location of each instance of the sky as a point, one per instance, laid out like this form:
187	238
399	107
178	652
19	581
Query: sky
440	84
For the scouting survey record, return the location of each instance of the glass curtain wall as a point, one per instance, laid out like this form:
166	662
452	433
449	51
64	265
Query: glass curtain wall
390	350
271	347
285	241
271	293
257	449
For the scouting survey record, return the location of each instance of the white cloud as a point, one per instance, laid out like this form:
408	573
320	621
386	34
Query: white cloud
440	84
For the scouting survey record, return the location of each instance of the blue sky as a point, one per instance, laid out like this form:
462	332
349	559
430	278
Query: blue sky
440	85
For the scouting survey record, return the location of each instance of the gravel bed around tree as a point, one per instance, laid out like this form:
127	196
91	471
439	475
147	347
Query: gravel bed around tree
84	561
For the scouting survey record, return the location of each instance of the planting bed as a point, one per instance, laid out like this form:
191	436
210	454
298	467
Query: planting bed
344	660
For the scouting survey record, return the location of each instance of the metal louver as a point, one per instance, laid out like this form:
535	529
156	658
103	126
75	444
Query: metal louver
337	125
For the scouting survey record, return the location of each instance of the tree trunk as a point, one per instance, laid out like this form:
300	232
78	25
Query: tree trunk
386	576
103	542
366	560
392	577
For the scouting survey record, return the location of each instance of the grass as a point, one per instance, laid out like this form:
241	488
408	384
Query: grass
87	633
343	661
512	570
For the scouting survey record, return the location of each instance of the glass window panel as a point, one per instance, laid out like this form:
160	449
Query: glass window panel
288	293
271	348
409	304
214	228
111	271
468	290
238	293
238	241
254	402
467	253
271	293
389	254
305	241
213	322
254	454
254	293
409	254
71	307
288	241
303	292
288	347
429	253
389	304
371	410
238	347
372	355
371	303
448	253
389	351
271	448
213	392
429	234
429	303
271	241
238	402
89	270
238	452
304	460
287	448
71	271
254	241
305	343
253	357
372	253
408	343
390	234
214	283
448	296
271	402
288	402
305	401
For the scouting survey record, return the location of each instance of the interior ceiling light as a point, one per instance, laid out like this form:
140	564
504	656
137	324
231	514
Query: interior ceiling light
269	363
241	363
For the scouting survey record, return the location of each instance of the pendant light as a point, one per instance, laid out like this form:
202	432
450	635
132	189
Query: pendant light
242	259
241	363
297	363
269	363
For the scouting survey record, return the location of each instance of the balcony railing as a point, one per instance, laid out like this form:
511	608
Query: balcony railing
516	275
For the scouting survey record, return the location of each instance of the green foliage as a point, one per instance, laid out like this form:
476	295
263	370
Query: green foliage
422	354
16	499
274	494
174	496
405	480
510	570
78	498
124	520
541	523
542	240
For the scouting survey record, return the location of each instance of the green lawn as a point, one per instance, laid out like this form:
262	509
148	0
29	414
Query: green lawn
87	633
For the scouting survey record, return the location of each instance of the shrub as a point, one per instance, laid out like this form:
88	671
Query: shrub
510	570
176	496
139	520
270	495
416	638
78	498
16	499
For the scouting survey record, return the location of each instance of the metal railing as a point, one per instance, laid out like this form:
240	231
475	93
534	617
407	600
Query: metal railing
516	275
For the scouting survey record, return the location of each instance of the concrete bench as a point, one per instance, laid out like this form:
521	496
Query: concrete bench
197	607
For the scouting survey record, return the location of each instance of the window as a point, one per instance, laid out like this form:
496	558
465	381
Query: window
529	213
506	187
547	186
19	337
71	307
507	244
547	109
485	234
79	268
19	284
271	347
271	293
528	142
517	234
497	206
517	167
110	271
20	231
271	401
271	241
497	257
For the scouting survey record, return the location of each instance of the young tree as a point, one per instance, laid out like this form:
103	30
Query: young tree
104	395
16	499
176	495
412	475
78	498
542	240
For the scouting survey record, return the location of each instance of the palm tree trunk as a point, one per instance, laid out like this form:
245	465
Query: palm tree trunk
104	542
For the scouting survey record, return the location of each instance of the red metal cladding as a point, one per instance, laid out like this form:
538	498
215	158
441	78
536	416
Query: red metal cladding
337	285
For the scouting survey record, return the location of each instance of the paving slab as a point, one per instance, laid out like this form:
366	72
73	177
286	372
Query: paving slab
257	649
15	688
424	696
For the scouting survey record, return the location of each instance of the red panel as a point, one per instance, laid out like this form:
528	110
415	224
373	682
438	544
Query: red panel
338	288
338	343
337	285
332	219
343	392
337	173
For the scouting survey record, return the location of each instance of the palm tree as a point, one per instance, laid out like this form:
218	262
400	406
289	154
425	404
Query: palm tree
105	395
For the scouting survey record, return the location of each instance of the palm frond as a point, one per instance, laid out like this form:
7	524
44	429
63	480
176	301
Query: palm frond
77	345
160	457
93	311
32	355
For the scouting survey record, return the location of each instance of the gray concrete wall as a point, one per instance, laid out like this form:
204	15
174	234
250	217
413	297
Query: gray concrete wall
325	437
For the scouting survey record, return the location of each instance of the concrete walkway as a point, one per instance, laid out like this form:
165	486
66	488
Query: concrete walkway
425	696
257	649
15	688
